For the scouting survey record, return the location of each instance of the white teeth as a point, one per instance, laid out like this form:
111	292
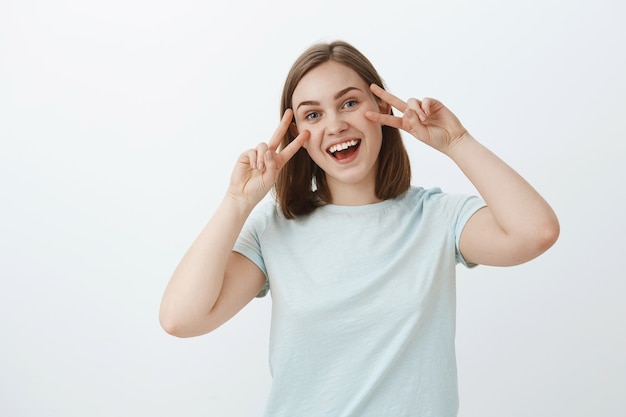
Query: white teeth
342	146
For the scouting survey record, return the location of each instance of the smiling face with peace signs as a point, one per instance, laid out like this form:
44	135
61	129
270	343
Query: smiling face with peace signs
330	102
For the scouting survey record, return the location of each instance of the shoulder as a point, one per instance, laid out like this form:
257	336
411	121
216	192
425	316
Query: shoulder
435	201
416	193
261	215
417	196
266	208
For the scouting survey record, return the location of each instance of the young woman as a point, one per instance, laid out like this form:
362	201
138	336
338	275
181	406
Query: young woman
360	263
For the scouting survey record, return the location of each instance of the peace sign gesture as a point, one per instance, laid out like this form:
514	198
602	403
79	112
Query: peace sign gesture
428	120
257	169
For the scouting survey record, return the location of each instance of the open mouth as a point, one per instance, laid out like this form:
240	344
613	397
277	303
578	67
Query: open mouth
345	149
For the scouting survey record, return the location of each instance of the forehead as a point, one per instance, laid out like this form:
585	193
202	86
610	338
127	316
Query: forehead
326	80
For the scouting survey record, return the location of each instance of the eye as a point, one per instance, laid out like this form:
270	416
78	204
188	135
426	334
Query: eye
350	103
312	116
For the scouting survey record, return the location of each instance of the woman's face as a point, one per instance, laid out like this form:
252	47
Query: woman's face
330	102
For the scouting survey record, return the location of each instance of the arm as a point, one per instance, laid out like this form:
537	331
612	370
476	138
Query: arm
517	225
190	303
211	282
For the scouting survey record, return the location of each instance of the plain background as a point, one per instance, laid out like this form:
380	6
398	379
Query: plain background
120	122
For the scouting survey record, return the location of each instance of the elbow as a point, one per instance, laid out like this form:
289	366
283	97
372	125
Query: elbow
550	234
534	241
170	324
546	235
173	322
183	326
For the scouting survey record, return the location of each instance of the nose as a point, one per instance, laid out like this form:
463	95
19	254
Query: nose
335	124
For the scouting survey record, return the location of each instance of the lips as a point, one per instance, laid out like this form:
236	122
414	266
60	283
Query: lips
342	150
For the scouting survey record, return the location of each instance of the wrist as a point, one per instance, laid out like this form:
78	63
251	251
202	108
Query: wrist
459	146
237	204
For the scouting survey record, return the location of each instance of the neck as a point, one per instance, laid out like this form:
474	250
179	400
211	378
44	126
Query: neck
352	194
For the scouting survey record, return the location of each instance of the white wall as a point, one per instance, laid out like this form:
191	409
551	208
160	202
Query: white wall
119	124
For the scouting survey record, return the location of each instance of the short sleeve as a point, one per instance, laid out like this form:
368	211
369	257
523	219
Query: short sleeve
468	205
248	243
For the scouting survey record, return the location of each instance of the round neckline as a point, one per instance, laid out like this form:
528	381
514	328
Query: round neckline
365	208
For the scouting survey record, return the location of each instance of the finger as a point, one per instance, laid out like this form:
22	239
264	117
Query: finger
385	119
428	104
280	131
413	103
290	150
416	105
248	157
259	157
270	161
388	97
414	120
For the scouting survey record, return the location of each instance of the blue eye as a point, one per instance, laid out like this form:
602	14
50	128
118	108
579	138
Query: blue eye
350	103
312	116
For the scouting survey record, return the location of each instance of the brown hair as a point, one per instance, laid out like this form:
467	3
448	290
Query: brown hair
301	185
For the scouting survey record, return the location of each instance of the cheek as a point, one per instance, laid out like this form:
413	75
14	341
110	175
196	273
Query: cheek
313	148
314	140
314	155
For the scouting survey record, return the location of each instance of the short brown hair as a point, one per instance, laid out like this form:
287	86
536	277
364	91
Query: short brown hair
301	185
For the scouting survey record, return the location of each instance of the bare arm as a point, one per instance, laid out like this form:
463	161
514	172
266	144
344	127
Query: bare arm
518	224
189	303
211	282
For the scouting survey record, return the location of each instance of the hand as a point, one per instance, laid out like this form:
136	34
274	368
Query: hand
428	120
257	169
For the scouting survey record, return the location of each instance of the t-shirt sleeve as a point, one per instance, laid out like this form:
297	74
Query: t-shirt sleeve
468	205
249	244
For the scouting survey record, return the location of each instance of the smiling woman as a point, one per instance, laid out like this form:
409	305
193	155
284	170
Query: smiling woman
360	263
334	115
346	76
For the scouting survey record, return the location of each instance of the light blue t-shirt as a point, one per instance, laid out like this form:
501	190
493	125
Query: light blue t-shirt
363	305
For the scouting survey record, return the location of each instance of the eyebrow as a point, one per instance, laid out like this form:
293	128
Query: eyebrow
338	95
